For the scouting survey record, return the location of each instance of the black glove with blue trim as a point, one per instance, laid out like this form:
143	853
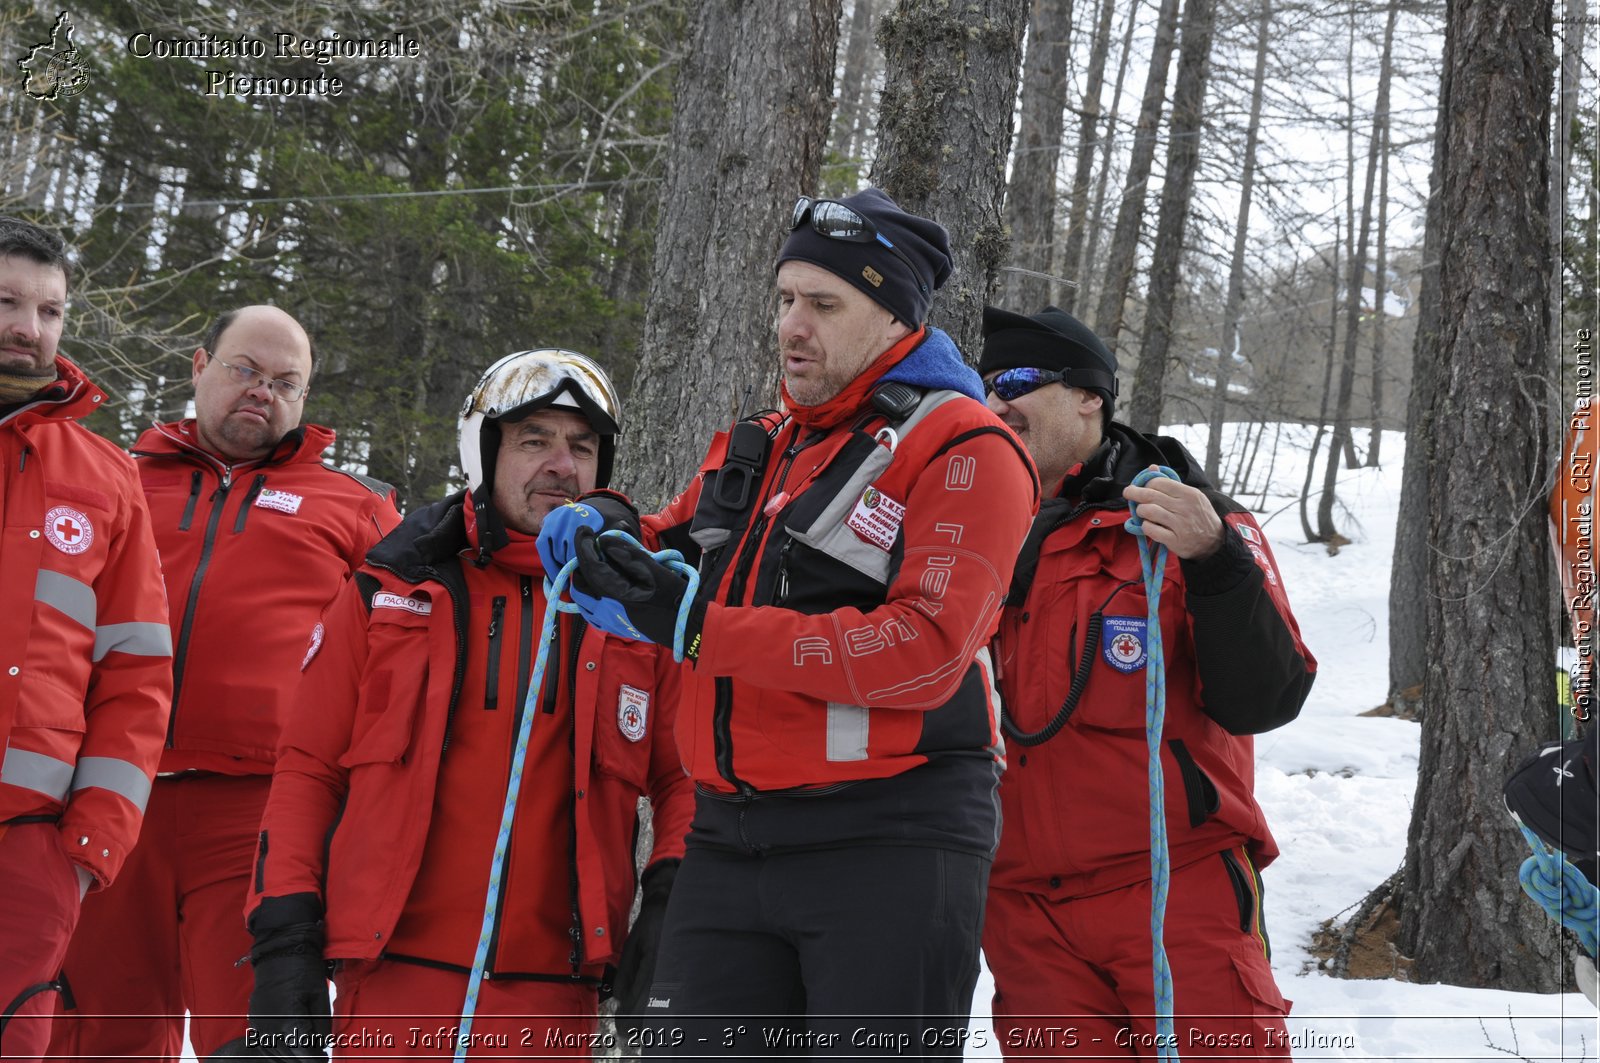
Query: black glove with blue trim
622	590
599	511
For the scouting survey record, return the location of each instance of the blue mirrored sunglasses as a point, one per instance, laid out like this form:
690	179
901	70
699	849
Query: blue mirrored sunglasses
1015	383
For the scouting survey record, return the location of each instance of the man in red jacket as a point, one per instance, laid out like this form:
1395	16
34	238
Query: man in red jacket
838	713
256	536
382	825
1068	927
85	653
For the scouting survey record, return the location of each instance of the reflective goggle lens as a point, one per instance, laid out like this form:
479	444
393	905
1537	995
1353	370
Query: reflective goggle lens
1015	383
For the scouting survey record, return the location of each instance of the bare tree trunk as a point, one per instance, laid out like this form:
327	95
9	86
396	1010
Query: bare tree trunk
1235	299
1322	412
1088	132
1093	234
1130	212
748	132
1574	28
1380	321
1031	197
1177	191
1464	918
1352	317
855	83
944	133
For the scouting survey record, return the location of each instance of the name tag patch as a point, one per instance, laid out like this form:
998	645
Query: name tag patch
386	600
1123	641
876	518
282	501
633	712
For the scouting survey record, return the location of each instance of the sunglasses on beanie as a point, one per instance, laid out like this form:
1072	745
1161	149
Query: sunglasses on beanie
836	221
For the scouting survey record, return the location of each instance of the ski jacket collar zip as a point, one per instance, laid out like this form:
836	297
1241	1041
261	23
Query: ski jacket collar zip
71	397
178	440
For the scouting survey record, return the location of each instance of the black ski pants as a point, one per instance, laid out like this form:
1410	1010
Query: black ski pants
858	951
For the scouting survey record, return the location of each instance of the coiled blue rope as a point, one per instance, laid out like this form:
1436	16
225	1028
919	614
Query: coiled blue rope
1561	890
1153	563
554	588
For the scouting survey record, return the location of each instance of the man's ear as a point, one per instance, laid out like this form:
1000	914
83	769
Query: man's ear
200	359
1091	402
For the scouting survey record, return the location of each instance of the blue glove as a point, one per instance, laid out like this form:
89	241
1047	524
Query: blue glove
622	590
598	511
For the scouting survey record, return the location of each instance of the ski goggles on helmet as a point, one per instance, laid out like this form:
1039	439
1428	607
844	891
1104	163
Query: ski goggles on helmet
836	221
527	381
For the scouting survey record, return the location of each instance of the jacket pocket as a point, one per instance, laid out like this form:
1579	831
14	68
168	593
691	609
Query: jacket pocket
392	690
1200	793
626	712
1247	894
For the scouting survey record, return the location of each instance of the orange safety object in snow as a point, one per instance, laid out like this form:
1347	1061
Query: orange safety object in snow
1572	534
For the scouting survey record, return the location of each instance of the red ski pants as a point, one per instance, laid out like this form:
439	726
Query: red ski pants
40	907
1074	978
386	1009
165	936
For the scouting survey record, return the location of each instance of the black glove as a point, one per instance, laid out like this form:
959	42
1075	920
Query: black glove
637	969
289	1008
622	590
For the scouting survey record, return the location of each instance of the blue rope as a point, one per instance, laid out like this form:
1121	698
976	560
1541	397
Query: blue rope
1561	890
1153	563
508	811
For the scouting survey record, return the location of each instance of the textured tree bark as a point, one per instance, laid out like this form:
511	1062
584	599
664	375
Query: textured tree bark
752	107
1487	680
1352	317
1177	191
1130	212
944	133
1031	198
1380	322
1234	303
1083	165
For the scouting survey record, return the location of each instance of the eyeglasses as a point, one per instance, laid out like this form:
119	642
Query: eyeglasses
1015	383
836	221
287	390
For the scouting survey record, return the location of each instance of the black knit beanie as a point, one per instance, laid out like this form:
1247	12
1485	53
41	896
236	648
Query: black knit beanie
874	268
1053	340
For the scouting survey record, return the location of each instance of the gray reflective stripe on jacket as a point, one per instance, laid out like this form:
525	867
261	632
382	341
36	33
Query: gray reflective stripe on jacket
37	772
849	725
76	600
118	776
831	534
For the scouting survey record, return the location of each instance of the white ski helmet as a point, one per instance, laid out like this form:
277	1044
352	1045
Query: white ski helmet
521	383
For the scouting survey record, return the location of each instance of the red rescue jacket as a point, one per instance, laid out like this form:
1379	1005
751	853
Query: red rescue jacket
373	728
1075	807
852	601
252	554
85	652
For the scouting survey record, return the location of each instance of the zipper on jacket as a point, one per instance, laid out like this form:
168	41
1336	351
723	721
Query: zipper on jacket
722	709
783	572
575	929
195	480
249	501
219	499
491	688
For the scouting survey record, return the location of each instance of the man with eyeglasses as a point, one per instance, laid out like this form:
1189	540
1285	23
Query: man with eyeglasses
256	535
1067	934
838	716
85	653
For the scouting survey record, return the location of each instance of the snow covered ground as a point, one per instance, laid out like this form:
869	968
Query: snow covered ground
1337	789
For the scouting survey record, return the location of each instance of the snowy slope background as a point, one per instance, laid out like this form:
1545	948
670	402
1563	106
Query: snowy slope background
1337	788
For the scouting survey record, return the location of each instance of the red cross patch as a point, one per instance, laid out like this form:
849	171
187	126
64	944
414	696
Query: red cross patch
68	530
